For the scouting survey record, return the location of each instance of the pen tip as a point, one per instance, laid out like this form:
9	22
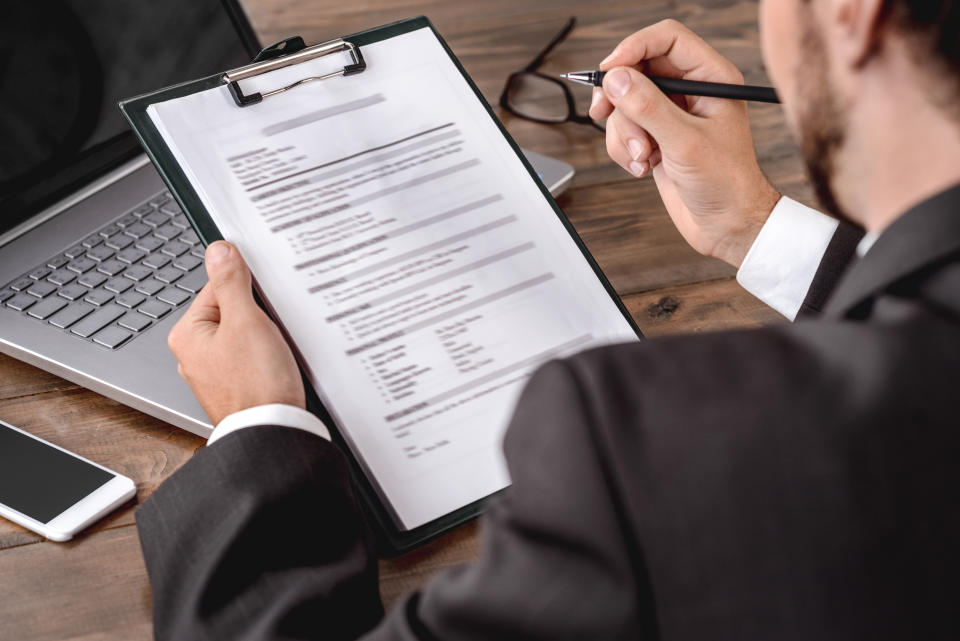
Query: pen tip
564	76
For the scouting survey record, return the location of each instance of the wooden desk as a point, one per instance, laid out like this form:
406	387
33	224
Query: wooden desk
96	587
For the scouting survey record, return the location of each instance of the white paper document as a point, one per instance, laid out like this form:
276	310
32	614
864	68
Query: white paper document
414	263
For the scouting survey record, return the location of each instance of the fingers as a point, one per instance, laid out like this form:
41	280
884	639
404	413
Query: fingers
639	101
228	294
629	145
682	49
600	107
204	308
669	49
230	281
198	321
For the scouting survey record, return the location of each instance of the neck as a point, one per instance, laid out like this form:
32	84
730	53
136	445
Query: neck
901	149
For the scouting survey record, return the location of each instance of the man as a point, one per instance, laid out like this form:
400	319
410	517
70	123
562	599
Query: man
796	482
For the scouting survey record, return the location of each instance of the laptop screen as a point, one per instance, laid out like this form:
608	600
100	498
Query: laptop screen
64	65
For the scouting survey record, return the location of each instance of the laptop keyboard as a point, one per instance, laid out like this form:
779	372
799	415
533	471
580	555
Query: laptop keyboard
118	282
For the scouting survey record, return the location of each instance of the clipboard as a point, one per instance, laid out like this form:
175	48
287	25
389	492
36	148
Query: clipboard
390	539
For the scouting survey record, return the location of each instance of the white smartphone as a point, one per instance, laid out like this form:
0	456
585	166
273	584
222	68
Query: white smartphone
51	491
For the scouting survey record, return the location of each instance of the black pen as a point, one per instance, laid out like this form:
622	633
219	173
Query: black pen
686	87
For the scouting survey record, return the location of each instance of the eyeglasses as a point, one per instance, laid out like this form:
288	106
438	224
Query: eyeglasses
534	96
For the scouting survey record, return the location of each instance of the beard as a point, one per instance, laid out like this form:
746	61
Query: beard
821	119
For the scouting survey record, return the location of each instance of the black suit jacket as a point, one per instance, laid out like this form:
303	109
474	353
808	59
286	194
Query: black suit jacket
796	482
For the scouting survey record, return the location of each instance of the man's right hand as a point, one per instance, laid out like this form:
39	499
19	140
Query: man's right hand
699	149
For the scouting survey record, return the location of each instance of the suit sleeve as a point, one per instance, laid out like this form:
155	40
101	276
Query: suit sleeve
841	251
260	536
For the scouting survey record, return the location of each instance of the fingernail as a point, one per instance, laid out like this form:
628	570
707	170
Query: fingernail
635	147
637	169
613	54
617	83
595	98
217	252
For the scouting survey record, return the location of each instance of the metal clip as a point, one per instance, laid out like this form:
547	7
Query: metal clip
232	78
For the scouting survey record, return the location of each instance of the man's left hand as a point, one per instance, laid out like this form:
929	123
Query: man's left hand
230	352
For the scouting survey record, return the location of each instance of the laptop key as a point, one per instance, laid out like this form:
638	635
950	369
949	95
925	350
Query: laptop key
154	309
142	210
47	308
136	322
109	231
76	250
21	284
118	284
92	279
156	219
67	317
150	244
101	253
175	248
21	302
81	265
180	220
73	292
98	320
173	296
127	221
120	241
57	262
39	273
138	230
138	273
198	251
189	237
186	263
168	274
167	232
111	267
131	255
62	276
42	289
112	337
131	300
149	287
171	208
5	294
194	281
98	297
156	260
161	199
92	241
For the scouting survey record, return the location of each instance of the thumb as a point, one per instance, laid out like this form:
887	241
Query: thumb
639	100
229	279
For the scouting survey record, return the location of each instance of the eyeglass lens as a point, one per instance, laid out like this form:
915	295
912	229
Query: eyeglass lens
538	98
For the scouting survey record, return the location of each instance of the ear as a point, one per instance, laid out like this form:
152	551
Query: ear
859	25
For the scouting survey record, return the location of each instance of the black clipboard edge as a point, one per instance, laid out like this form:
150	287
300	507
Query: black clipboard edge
391	541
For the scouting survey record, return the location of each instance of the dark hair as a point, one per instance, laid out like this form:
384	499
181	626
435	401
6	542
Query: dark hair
934	25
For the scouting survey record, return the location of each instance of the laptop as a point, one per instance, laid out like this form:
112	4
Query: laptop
97	261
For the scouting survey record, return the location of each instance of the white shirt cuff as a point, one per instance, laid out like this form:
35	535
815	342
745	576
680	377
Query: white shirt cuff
784	258
275	414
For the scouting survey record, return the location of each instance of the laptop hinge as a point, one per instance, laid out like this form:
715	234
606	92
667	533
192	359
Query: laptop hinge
81	194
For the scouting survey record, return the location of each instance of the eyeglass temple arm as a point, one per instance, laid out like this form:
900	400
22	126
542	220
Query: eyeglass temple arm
557	39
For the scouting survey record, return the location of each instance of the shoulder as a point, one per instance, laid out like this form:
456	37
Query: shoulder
784	383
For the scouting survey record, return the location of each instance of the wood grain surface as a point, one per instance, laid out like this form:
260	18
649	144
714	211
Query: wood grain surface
95	587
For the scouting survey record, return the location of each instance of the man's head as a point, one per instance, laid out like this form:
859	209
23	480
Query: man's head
828	58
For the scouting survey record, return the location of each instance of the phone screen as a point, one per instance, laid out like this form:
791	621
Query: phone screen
41	481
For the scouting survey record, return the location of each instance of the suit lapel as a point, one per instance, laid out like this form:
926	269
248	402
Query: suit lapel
923	235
